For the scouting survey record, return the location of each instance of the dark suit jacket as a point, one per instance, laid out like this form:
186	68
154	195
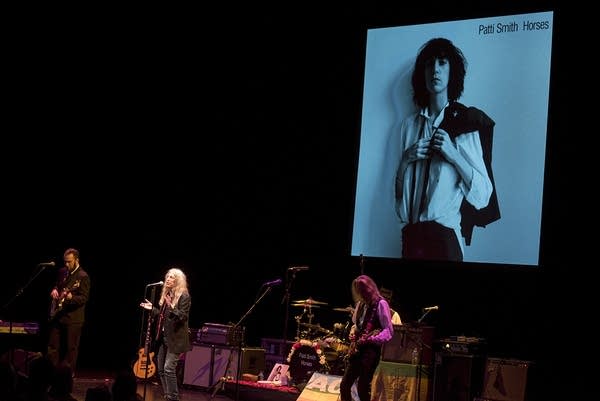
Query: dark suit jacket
73	310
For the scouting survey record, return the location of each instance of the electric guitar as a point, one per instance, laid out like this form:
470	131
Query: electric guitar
145	363
144	367
57	304
353	347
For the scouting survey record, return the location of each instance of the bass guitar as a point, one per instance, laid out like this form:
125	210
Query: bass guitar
57	304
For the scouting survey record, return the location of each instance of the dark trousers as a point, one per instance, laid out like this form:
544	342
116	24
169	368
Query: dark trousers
63	343
430	240
361	367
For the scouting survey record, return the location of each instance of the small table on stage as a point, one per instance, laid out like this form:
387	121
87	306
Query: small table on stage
395	381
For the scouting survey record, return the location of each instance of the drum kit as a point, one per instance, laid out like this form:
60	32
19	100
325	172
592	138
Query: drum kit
318	349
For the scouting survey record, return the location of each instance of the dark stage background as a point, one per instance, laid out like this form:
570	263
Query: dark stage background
225	142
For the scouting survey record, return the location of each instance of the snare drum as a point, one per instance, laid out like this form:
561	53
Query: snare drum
304	361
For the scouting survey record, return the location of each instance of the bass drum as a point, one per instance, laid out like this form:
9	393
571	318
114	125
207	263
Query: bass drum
304	362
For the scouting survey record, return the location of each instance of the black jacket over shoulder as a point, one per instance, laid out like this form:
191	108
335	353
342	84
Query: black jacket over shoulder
460	119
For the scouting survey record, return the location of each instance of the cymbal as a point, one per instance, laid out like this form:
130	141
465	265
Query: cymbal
305	305
310	301
347	309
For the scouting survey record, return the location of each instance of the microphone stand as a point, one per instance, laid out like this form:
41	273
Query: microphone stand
10	317
420	344
147	342
221	383
423	315
286	299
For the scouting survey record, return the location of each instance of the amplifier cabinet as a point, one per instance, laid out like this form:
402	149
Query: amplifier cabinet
221	334
198	367
505	379
457	377
206	364
406	338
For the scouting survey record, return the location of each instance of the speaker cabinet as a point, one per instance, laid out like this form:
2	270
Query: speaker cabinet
198	367
457	377
406	338
505	379
253	361
206	364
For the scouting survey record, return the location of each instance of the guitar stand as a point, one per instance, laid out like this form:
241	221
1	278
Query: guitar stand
221	383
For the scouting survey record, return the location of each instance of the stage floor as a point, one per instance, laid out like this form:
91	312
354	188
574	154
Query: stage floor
153	392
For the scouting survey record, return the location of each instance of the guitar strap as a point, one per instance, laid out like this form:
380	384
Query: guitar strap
159	323
68	278
367	324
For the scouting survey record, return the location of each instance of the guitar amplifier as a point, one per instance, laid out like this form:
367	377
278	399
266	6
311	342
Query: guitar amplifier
462	345
505	380
406	338
220	334
206	364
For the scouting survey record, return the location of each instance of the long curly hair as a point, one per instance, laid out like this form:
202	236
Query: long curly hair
180	287
438	48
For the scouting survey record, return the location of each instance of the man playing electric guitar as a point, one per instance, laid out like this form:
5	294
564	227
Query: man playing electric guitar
372	327
357	340
56	304
67	312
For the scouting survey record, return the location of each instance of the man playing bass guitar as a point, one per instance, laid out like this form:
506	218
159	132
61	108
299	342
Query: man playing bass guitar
372	327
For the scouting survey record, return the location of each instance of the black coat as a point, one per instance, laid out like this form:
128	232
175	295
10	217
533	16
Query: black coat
176	324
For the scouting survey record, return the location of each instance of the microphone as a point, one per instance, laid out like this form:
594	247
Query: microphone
272	283
155	284
47	264
297	268
430	308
